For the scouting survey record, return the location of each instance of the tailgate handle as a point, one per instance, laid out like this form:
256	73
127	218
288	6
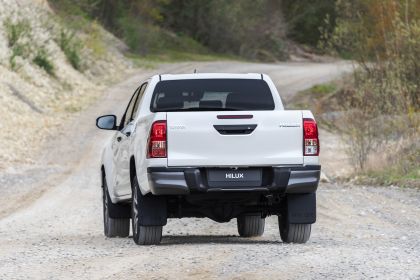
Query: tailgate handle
235	129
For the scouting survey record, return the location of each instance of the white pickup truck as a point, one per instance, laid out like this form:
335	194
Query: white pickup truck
219	146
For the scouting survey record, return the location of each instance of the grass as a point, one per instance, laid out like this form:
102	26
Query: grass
19	41
149	44
325	101
320	99
71	13
393	176
404	170
71	48
16	33
16	30
94	40
307	98
18	50
323	89
42	60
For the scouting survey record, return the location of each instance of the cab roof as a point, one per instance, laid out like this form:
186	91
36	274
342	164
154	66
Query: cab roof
166	77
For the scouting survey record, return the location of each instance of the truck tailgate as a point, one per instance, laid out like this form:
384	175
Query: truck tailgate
257	138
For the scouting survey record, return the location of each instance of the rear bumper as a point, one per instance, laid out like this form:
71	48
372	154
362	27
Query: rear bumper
283	179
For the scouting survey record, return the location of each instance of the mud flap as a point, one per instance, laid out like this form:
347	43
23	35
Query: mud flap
301	208
152	210
119	211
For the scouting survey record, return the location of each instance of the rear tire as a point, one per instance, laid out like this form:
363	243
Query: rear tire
142	235
294	233
250	226
113	227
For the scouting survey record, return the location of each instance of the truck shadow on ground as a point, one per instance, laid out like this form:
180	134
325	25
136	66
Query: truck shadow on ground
207	239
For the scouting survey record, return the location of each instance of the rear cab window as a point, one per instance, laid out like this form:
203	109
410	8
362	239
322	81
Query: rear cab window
212	95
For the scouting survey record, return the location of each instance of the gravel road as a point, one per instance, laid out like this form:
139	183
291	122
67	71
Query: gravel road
51	227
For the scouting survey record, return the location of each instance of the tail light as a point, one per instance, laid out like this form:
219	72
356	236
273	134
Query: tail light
157	140
310	138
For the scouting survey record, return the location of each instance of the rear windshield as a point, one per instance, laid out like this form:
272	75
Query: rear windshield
212	95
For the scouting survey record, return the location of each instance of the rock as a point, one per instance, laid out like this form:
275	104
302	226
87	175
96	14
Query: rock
324	178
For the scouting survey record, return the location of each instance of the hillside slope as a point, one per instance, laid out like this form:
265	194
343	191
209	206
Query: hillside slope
47	73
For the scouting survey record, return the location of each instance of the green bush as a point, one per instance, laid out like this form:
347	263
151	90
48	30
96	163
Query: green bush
306	20
17	50
16	30
381	108
253	29
323	88
41	59
71	48
18	35
148	39
95	41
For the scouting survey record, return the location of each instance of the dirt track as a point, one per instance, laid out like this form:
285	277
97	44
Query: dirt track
51	227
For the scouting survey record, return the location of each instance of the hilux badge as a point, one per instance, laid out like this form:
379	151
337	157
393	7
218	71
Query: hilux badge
234	175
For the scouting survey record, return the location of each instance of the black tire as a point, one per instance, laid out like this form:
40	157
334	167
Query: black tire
250	226
113	227
142	235
293	233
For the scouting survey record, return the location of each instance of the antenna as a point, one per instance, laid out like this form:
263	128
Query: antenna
195	71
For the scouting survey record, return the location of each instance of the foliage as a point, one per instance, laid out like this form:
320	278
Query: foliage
71	48
146	39
94	40
17	36
16	30
252	29
324	88
306	20
383	106
42	60
403	169
366	30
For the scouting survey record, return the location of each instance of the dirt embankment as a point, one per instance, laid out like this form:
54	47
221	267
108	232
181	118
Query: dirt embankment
48	72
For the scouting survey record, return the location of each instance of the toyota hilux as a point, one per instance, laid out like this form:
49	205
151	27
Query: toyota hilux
218	146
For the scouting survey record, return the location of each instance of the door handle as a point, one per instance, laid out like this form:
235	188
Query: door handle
119	138
235	129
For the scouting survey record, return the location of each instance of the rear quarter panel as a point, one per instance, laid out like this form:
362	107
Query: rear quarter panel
140	146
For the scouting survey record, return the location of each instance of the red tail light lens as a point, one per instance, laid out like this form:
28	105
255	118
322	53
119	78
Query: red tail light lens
310	138
157	140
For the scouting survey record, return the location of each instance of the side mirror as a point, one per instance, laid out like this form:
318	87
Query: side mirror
108	122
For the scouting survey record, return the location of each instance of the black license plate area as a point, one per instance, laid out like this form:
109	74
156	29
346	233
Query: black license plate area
242	177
